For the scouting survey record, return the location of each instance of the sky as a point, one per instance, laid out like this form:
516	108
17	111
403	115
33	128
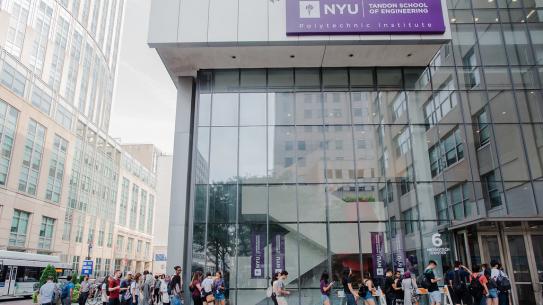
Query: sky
145	96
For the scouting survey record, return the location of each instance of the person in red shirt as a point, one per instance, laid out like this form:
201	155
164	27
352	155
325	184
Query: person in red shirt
114	288
477	274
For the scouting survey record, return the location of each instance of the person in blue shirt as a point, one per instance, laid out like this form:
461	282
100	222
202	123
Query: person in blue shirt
67	291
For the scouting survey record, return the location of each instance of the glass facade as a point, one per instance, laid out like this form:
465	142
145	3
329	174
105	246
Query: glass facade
322	165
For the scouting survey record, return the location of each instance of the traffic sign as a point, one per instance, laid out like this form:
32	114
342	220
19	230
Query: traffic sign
87	267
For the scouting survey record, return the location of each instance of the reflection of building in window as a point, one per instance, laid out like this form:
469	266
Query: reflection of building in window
399	106
441	208
471	71
409	224
403	145
440	104
392	227
406	181
457	198
483	128
386	193
449	151
492	190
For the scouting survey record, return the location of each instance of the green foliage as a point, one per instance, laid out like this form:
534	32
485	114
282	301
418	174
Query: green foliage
75	295
47	272
75	278
35	297
359	199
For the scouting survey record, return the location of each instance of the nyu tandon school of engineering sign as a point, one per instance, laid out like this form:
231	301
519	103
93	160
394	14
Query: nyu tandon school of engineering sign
336	17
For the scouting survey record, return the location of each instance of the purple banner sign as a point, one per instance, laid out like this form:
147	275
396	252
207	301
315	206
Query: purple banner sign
398	253
258	240
378	253
278	253
337	17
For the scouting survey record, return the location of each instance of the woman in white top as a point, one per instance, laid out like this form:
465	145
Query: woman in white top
105	298
135	288
409	286
164	282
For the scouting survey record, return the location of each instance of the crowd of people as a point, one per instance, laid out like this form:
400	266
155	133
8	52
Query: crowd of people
142	289
484	285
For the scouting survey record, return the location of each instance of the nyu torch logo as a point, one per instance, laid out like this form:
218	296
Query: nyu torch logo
310	9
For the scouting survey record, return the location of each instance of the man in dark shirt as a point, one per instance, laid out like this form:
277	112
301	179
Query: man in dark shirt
433	289
115	288
177	283
389	290
457	280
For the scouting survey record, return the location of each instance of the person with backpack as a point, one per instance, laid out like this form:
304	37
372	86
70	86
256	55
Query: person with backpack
366	289
350	294
410	290
326	288
218	289
502	282
67	291
431	282
477	286
457	281
196	288
104	291
492	288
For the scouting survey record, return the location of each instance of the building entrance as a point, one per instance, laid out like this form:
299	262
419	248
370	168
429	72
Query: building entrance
517	245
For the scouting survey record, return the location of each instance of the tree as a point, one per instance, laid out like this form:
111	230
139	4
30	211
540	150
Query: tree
75	278
47	272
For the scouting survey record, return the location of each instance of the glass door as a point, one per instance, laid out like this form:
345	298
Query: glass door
537	245
12	278
491	248
520	270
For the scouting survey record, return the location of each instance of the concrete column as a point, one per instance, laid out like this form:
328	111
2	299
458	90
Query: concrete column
181	172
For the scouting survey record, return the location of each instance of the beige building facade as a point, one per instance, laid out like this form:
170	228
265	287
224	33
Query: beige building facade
65	184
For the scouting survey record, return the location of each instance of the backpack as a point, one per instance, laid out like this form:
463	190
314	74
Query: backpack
65	290
476	288
458	285
107	288
422	281
503	283
363	289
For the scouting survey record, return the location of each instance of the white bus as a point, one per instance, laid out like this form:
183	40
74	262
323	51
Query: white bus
20	272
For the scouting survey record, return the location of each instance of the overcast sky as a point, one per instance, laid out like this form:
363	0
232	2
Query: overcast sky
144	99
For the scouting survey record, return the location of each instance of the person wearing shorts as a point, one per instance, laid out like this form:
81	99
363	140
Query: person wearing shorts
433	290
325	287
219	289
368	297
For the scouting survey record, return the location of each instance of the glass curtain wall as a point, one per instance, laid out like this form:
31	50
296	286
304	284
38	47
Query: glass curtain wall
314	170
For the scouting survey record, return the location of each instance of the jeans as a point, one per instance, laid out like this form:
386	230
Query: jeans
350	299
66	301
503	298
114	302
83	296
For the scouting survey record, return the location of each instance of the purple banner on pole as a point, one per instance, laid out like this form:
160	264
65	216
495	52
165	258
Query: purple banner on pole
398	253
378	253
258	240
336	17
278	253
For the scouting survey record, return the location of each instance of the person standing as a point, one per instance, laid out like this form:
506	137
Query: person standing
104	290
67	291
281	291
389	289
369	289
135	288
350	294
457	281
177	286
126	293
502	282
326	288
433	289
410	290
399	295
196	288
47	292
219	288
114	288
164	295
207	289
274	279
84	291
492	288
478	287
156	290
147	289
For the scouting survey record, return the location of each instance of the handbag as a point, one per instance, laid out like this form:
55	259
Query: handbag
414	294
